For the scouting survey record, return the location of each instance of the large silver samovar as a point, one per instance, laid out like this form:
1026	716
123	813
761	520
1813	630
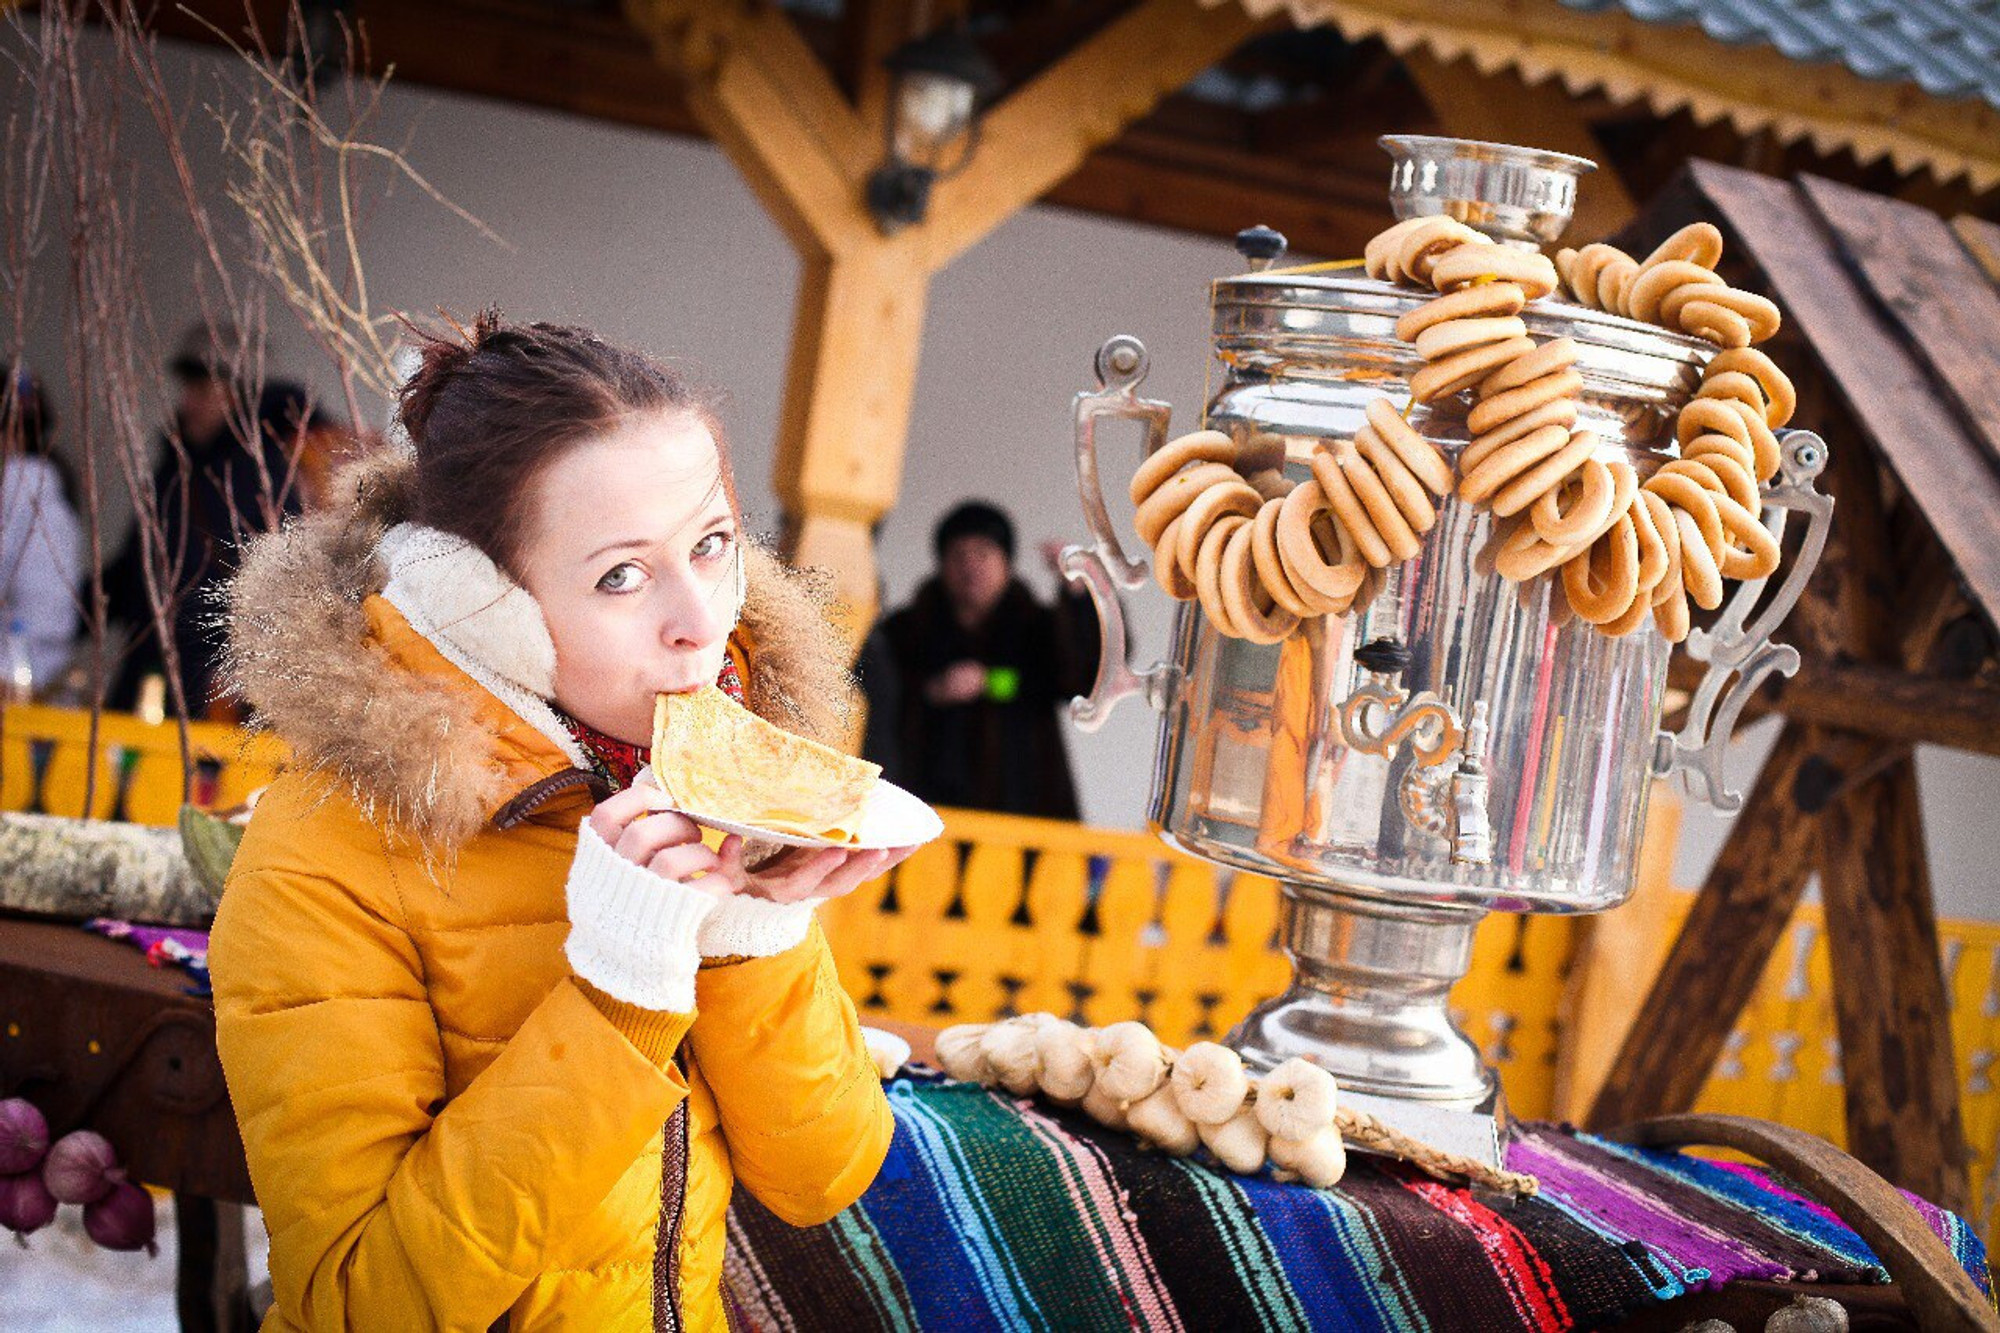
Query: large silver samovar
1454	745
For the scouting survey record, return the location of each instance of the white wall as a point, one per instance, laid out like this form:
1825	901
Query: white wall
655	241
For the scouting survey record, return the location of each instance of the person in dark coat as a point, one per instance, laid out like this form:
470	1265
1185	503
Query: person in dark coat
983	668
211	495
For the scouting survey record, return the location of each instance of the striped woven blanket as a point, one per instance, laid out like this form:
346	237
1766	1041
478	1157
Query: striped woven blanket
998	1213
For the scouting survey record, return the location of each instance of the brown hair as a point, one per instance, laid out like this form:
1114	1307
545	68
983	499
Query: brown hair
491	406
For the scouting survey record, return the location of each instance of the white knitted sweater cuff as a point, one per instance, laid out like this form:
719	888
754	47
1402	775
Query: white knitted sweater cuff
746	927
632	933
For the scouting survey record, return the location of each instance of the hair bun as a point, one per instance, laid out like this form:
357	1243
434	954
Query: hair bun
441	356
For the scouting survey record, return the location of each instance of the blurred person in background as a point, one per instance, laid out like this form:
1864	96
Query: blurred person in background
212	493
881	686
982	667
41	541
316	443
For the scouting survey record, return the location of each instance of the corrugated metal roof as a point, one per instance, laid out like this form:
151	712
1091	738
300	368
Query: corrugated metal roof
1949	48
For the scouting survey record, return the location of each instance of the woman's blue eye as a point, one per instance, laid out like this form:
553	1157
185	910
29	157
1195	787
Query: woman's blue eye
712	547
621	578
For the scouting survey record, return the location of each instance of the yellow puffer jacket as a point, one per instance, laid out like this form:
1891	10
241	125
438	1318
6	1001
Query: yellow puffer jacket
445	1127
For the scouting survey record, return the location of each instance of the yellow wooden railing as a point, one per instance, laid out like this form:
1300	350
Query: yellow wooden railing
45	757
1007	914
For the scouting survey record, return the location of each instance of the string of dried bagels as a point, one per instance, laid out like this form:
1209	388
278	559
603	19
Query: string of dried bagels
1124	1077
1260	553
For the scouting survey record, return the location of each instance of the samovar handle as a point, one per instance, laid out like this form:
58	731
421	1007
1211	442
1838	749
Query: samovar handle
1121	368
1744	650
1103	567
1115	680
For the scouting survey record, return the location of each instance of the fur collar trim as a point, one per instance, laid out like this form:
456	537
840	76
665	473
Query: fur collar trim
432	744
485	624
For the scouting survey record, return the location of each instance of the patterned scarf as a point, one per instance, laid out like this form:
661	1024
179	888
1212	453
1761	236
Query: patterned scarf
618	762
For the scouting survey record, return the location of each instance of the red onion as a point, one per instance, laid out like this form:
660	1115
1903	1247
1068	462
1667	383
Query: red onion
24	1136
122	1219
25	1203
81	1167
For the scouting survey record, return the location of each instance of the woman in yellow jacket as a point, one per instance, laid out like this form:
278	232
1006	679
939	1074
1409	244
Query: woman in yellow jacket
499	1038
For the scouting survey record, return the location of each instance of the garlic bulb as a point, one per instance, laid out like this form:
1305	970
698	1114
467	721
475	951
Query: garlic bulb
1808	1314
1320	1161
1238	1142
1158	1120
1296	1100
1063	1052
1209	1083
1009	1048
1131	1063
961	1055
1105	1109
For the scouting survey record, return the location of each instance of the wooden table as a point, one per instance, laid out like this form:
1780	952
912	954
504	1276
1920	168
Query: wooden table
98	1038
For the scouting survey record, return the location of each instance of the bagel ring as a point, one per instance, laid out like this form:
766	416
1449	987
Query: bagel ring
1588	509
1314	573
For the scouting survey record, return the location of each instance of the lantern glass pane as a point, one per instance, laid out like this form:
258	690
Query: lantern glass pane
932	110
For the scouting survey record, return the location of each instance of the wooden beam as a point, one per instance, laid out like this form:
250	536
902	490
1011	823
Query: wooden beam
1900	1088
1917	434
1901	1084
763	96
1981	240
1736	921
1142	179
587	64
1891	704
1502	108
1043	132
1932	292
869	31
759	90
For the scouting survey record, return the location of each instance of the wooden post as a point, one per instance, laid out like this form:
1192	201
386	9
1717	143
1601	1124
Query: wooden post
1618	952
807	151
856	337
1895	1031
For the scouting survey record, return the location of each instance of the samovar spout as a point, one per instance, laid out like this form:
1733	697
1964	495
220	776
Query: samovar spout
1471	830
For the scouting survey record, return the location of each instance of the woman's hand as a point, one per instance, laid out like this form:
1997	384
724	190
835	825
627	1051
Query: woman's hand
666	843
799	873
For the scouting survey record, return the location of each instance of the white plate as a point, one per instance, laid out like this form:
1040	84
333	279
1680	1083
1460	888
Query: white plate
889	1051
892	818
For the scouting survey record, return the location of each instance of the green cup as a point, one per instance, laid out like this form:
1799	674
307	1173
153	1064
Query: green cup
1003	684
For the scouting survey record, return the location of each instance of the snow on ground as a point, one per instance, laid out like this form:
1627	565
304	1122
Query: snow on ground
64	1283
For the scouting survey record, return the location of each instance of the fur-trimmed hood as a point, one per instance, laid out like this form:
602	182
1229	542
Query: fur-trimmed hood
405	718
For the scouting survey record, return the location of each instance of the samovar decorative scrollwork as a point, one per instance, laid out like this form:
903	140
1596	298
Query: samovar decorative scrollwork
1380	717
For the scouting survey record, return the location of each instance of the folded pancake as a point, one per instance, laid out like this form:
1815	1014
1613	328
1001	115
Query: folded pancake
716	758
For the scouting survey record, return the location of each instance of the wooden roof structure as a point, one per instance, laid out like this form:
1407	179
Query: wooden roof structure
1206	115
1892	331
1794	70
